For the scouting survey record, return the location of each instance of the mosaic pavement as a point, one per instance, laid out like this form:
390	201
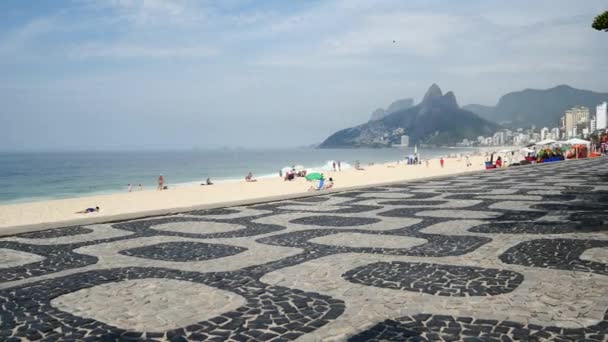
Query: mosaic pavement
519	254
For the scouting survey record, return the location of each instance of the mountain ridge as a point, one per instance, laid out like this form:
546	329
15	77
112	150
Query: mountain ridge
436	120
539	107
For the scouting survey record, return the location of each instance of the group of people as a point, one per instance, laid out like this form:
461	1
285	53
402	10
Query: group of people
130	188
322	185
337	164
291	174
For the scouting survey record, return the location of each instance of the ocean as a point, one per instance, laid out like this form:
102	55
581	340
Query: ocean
31	176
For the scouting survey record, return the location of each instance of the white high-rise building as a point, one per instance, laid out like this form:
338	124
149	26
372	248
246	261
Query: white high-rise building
593	125
543	133
601	116
577	116
405	140
556	133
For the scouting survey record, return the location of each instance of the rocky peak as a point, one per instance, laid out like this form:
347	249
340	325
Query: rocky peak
449	99
378	114
433	93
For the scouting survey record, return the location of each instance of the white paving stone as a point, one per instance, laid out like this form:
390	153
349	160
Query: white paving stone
200	227
149	304
12	258
596	254
465	214
368	240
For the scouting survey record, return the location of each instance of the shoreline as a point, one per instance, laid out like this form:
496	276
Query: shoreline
54	213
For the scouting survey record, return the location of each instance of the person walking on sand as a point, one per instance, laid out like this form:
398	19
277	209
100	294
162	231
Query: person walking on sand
441	162
467	160
161	182
129	188
334	166
139	188
339	166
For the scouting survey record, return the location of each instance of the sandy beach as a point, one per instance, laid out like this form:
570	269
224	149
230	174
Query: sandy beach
52	213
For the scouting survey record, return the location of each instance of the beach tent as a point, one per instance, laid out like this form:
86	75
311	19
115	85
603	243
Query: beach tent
528	150
546	142
577	141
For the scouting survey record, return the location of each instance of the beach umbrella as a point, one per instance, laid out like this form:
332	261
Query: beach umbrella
416	149
314	176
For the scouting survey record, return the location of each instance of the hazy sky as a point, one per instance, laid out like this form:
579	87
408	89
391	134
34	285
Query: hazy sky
128	74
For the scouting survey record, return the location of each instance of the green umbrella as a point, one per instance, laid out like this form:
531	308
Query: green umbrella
314	176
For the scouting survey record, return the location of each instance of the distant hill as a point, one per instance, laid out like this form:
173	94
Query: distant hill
437	120
393	107
538	107
485	112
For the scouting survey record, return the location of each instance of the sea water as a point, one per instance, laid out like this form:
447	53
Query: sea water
30	176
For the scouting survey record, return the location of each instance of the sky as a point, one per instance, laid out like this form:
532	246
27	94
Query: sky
160	74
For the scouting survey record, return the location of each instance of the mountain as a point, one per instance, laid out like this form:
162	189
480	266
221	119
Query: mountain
437	120
378	114
393	107
486	112
538	107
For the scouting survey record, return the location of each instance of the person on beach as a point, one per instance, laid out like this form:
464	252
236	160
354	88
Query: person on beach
139	188
498	162
88	210
427	163
129	188
441	162
339	166
209	181
249	177
467	160
329	184
334	166
161	182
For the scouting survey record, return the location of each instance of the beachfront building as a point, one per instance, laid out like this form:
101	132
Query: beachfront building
601	116
593	124
577	116
556	133
543	133
405	140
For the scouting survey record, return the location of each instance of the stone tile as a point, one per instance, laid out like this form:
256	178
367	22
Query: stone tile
149	304
12	258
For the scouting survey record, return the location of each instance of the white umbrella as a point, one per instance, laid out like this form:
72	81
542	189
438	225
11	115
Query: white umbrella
576	141
546	142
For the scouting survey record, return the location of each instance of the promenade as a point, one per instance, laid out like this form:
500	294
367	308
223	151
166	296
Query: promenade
515	254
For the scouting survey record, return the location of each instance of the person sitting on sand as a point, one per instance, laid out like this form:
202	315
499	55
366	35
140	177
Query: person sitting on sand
330	184
358	166
319	186
209	181
249	177
88	210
